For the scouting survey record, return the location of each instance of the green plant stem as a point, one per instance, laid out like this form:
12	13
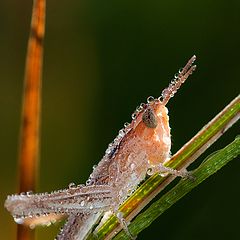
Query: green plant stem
184	157
210	166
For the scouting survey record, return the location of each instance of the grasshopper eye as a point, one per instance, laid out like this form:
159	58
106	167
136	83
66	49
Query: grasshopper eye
149	118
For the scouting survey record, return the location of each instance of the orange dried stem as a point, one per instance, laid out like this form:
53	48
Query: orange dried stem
29	141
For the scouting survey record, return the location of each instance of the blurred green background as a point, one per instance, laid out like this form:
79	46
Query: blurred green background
103	58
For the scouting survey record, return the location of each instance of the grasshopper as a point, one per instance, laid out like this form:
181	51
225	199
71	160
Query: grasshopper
141	147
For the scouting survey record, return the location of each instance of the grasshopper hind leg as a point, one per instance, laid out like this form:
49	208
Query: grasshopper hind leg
78	227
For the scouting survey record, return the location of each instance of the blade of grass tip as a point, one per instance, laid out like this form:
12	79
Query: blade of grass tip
211	165
185	156
29	140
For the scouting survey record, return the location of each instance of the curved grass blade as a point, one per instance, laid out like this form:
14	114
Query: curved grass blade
183	158
210	166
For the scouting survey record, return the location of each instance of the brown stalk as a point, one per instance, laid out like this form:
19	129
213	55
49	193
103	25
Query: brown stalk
29	139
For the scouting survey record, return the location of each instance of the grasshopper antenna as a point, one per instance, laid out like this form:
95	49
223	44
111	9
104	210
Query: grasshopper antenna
178	80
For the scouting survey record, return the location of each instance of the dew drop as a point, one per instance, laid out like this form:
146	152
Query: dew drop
108	151
137	109
176	75
32	226
119	215
163	174
82	203
134	115
121	133
29	193
180	70
150	99
150	171
142	105
129	191
88	181
94	166
48	223
72	185
91	207
19	220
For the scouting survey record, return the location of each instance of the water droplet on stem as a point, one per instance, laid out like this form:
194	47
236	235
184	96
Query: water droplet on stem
150	99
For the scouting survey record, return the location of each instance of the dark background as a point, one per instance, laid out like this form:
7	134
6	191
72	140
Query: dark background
103	58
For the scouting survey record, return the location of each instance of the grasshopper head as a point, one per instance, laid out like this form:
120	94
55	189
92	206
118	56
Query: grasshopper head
152	122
